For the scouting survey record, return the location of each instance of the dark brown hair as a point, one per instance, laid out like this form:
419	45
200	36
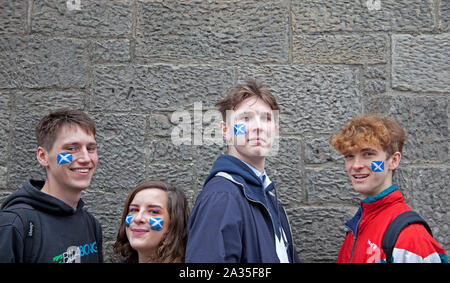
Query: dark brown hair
241	92
173	246
48	127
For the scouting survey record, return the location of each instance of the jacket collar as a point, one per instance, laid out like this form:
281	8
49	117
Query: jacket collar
242	174
373	205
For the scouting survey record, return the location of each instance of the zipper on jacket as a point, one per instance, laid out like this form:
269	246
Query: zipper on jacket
355	236
271	220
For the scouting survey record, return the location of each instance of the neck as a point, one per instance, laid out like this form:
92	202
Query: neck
258	162
71	197
147	257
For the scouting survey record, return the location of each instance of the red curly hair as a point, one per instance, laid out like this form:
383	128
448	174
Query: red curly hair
369	130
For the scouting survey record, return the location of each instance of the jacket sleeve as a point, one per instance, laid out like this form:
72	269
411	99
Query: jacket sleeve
11	238
215	229
415	245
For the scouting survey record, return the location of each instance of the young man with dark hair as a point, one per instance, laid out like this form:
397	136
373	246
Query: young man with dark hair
372	147
237	217
45	221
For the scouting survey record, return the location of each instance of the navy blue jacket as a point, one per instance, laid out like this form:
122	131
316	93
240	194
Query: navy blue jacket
230	221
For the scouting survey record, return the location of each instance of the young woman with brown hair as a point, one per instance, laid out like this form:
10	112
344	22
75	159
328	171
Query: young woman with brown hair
154	224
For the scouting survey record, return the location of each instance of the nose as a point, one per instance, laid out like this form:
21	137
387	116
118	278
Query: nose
257	124
83	156
357	163
139	217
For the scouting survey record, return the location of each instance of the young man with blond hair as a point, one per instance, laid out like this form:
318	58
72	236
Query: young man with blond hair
372	149
237	217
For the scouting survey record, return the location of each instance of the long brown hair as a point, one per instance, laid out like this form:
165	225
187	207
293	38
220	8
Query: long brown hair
173	246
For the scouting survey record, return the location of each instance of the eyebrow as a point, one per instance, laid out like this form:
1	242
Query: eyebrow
77	143
253	113
369	149
149	205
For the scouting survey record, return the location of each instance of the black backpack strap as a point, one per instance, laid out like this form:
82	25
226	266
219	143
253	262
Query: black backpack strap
396	227
31	227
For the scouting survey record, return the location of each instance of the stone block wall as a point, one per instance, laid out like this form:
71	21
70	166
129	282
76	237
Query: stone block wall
131	64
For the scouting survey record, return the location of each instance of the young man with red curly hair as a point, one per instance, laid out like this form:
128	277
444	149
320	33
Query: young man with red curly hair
372	148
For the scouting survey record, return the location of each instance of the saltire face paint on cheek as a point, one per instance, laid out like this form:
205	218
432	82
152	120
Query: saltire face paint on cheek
64	158
128	219
156	223
377	166
239	129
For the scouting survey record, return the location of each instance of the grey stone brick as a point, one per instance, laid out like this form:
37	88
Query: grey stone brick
285	170
362	15
318	150
4	129
220	31
178	174
107	207
166	150
3	177
110	50
374	79
48	100
431	200
420	63
94	18
308	95
22	163
160	125
326	184
425	121
12	17
35	62
444	15
205	156
319	231
121	151
338	48
158	87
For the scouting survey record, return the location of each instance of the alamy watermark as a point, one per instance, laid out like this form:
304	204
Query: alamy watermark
200	127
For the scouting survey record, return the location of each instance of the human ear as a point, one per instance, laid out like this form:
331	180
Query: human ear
224	131
42	156
395	161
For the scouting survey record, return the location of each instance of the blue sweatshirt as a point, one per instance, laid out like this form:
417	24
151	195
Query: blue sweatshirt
235	219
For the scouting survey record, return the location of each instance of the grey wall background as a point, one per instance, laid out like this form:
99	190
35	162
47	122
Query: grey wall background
131	64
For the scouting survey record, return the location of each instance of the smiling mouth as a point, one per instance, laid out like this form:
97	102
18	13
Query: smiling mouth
360	177
139	232
82	171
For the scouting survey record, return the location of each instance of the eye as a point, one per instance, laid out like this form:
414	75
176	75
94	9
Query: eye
348	156
369	153
154	211
266	117
92	148
133	210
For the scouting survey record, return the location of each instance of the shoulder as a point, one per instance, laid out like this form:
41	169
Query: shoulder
222	184
415	244
11	221
93	220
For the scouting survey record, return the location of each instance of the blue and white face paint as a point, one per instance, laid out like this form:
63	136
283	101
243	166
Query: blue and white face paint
64	158
156	223
377	166
128	219
239	129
